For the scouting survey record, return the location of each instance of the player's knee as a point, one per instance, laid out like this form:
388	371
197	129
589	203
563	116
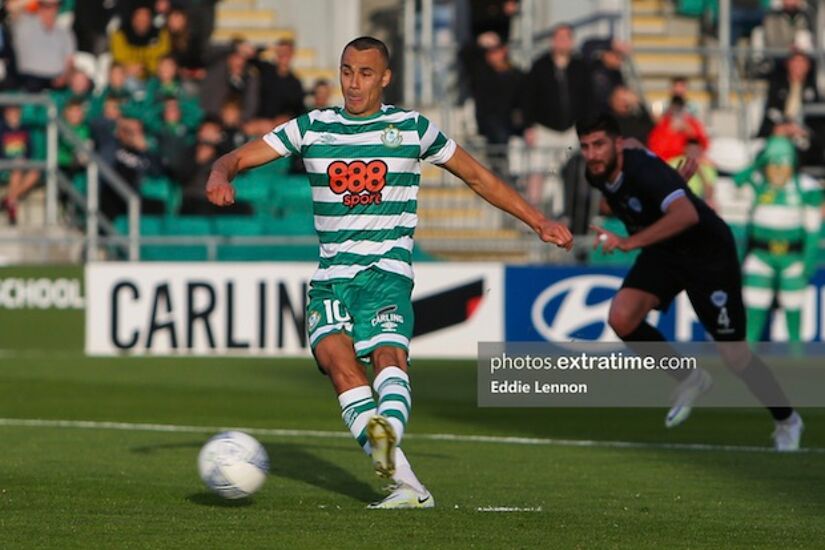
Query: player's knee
736	355
389	356
622	321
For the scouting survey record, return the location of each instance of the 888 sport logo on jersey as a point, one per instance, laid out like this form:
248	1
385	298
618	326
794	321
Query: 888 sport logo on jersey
359	182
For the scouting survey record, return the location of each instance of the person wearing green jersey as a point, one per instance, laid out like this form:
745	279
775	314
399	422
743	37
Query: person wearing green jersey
783	237
363	163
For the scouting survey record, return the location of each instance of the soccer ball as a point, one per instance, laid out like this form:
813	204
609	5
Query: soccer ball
233	464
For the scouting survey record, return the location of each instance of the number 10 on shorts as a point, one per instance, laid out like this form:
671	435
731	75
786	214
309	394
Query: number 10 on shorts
335	312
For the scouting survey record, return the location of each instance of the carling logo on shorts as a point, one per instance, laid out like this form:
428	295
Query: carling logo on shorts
388	319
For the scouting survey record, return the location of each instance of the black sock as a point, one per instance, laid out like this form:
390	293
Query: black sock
761	382
646	332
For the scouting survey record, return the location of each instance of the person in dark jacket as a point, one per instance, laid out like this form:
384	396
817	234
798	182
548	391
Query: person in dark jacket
557	94
282	94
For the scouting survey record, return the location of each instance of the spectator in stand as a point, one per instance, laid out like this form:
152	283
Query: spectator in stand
321	94
79	89
788	26
201	20
792	86
133	160
174	141
497	89
703	181
492	16
671	134
185	46
631	114
231	78
206	153
679	87
232	122
74	114
115	87
557	94
16	145
103	128
91	17
44	49
8	67
282	95
606	57
165	84
139	42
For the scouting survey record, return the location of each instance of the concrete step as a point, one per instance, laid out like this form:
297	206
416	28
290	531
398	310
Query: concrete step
238	4
487	234
689	64
664	41
650	7
664	25
254	35
244	18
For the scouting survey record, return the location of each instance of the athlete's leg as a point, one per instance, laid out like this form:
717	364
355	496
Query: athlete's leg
392	385
627	315
718	302
336	358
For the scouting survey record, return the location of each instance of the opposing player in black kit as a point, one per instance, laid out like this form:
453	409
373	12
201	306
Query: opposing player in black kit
684	246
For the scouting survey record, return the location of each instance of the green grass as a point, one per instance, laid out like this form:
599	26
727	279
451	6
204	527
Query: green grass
84	488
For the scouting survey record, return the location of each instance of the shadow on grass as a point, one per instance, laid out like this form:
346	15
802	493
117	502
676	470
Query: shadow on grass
212	500
294	462
289	461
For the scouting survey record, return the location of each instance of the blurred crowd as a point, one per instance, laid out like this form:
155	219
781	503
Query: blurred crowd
141	81
539	107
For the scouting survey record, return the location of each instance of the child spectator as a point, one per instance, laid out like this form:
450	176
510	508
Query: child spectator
69	161
15	145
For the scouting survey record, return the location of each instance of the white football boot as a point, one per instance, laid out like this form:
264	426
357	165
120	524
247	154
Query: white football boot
687	392
787	434
382	440
404	497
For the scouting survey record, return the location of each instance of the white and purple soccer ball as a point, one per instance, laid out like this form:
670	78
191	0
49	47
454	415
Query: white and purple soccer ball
233	464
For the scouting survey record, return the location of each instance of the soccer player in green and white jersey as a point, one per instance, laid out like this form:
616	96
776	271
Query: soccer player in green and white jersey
783	236
363	162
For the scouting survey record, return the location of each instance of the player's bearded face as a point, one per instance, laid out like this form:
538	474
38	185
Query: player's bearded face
599	151
364	75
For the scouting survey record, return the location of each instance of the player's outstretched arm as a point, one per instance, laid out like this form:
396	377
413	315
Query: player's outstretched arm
502	196
219	189
680	215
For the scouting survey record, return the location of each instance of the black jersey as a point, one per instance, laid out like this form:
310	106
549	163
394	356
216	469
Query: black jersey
642	193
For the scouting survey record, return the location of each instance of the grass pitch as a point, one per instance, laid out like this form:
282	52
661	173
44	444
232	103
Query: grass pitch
71	487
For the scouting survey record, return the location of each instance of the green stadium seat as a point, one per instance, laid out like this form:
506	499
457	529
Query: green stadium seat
291	225
254	189
164	190
188	225
293	195
238	226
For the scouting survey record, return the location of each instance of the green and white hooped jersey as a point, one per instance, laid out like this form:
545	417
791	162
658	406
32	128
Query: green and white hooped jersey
364	174
785	214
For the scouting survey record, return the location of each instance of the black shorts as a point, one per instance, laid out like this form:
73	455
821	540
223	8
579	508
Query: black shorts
713	285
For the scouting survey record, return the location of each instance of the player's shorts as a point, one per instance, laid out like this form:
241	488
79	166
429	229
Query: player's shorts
713	285
374	309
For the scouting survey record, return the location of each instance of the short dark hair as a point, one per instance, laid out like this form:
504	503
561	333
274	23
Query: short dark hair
370	43
603	122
